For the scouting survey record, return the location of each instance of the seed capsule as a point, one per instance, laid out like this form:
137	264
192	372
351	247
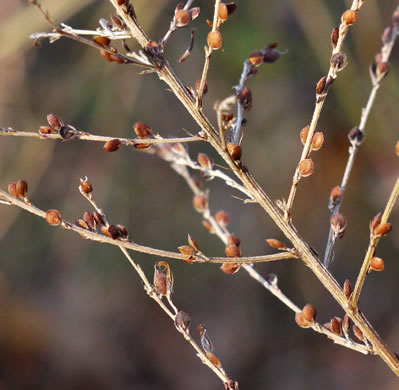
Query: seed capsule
335	194
233	240
182	18
383	229
182	320
338	225
301	321
230	268
53	217
309	312
215	40
102	41
12	189
235	151
320	85
306	167
347	288
142	130
349	17
233	251
335	325
276	244
204	161
21	189
86	186
200	203
55	122
222	218
112	145
377	264
223	12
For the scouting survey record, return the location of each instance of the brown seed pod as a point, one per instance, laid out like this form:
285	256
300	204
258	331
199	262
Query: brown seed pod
55	122
182	320
339	61
375	222
223	12
90	220
358	333
193	242
186	250
86	186
53	217
222	218
338	225
334	37
21	189
349	17
309	312
347	288
301	321
306	167
160	282
346	323
380	230
232	251
233	240
335	194
140	146
200	203
123	233
111	231
102	41
12	189
276	244
198	85
142	130
230	268
335	325
204	161
376	264
317	141
215	40
256	58
182	18
46	130
235	151
106	55
112	145
320	85
304	134
99	218
82	224
245	98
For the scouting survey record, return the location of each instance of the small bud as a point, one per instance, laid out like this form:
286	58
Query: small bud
376	264
301	321
256	58
233	251
160	282
111	231
222	218
317	141
102	41
346	323
12	189
276	244
55	122
270	55
215	40
383	68
204	161
223	12
375	222
46	130
334	37
182	320
349	17
21	189
140	146
397	148
86	186
153	48
90	220
309	312
200	203
306	167
335	325
245	98
53	217
380	230
320	85
99	218
207	225
112	145
198	85
335	195
186	250
233	240
339	61
304	134
106	55
82	224
230	268
123	233
142	130
358	333
356	136
347	288
193	242
68	132
235	151
182	18
338	225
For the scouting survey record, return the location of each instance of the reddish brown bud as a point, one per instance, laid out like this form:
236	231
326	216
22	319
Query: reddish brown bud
256	58
21	189
193	242
99	218
90	220
233	240
301	321
309	312
376	264
358	333
223	11
334	37
55	122
215	40
335	194
383	68
347	288
186	250
317	141
235	151
200	203
82	224
233	251
320	85
160	282
245	98
346	323
102	41
276	244
53	217
304	134
182	18
182	320
349	17
204	161
375	222
198	85
270	55
306	167
339	61
230	268
86	186
212	357
142	130
106	55
380	230
112	145
111	231
123	233
12	189
207	225
335	325
222	218
46	130
338	225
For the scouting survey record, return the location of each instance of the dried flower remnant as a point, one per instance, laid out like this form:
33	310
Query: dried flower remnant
232	239
182	320
200	203
186	250
335	195
301	321
163	278
339	61
102	41
53	217
182	18
204	161
245	97
90	220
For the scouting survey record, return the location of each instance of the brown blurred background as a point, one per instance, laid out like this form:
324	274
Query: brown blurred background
74	314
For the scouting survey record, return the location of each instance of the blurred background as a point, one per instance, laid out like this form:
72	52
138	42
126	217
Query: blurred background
74	314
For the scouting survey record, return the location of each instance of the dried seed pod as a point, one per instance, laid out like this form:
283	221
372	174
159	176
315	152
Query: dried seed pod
215	40
376	264
182	18
160	282
306	167
309	312
200	203
339	61
118	22
165	285
335	195
112	145
82	224
338	225
347	288
346	323
90	220
46	130
335	325
276	244
380	230
198	85
270	55
304	134
53	217
235	151
106	55
86	186
102	41
301	321
111	231
375	222
317	140
358	333
204	161
21	189
245	98
142	146
193	242
186	250
207	225
55	122
349	17
256	58
222	218
223	12
12	189
123	233
397	148
233	251
99	218
182	320
230	268
232	239
320	85
334	37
